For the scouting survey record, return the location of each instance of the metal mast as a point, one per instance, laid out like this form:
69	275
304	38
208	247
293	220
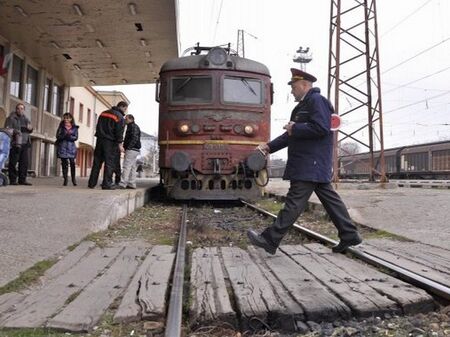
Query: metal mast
303	57
354	79
240	47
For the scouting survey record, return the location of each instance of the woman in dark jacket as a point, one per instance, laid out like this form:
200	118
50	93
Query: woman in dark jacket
66	135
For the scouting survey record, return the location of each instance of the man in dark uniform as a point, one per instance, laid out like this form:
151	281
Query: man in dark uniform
20	146
309	167
109	133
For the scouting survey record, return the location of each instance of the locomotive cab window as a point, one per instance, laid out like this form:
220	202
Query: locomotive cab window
191	89
242	90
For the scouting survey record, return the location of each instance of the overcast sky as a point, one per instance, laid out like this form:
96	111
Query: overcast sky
414	43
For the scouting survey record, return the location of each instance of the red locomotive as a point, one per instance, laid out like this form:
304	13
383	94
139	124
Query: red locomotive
214	110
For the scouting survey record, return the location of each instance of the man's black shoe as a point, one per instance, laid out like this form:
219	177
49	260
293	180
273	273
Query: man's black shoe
111	187
25	183
13	183
257	240
344	244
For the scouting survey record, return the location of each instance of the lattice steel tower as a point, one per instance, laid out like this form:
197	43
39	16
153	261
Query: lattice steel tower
354	79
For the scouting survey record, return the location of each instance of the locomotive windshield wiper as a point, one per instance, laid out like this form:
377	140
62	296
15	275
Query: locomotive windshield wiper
248	86
186	81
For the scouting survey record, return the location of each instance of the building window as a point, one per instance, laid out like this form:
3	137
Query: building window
48	95
80	115
88	117
58	96
16	78
31	86
72	106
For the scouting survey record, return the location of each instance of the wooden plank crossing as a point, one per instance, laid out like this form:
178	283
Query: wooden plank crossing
318	301
76	292
249	289
145	296
428	261
307	283
253	293
408	298
210	300
362	299
85	311
38	306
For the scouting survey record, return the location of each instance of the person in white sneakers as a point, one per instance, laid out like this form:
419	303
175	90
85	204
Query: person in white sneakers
132	146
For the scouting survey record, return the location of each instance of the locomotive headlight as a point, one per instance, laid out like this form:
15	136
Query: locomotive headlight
183	128
249	130
217	56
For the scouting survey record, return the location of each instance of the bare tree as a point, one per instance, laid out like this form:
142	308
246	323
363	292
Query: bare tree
349	148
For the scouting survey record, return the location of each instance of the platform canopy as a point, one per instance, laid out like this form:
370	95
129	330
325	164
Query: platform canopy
93	42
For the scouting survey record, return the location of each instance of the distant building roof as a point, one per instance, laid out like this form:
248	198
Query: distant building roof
114	96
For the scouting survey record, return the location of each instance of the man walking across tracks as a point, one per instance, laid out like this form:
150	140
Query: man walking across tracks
309	167
132	146
109	133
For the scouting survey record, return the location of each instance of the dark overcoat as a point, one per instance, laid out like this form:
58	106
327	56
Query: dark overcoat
310	146
65	141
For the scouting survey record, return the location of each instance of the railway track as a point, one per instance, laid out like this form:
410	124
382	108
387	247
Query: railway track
416	279
225	281
174	318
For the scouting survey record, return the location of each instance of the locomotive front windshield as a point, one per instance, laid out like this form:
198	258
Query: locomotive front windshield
191	89
242	90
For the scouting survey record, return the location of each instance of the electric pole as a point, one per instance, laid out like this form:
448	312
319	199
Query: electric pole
240	45
354	78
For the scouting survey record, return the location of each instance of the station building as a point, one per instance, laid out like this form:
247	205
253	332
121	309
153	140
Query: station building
53	52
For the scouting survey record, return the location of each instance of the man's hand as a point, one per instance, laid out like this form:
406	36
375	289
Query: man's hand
264	149
288	127
121	149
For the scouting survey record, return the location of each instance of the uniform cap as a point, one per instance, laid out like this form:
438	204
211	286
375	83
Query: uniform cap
298	74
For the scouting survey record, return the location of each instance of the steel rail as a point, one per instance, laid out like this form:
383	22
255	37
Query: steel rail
174	315
405	274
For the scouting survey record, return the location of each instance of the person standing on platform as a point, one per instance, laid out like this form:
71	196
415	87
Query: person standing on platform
117	173
66	135
20	146
309	167
132	146
109	133
5	146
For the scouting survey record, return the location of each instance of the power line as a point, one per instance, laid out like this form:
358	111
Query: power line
406	18
413	57
218	19
410	86
417	102
422	78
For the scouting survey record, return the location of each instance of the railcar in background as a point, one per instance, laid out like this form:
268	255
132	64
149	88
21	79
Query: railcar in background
214	110
424	161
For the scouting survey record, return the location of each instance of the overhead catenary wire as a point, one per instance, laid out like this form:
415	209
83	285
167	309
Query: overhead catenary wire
217	21
405	18
417	55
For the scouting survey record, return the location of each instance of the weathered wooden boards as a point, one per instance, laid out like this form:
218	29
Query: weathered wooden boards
428	261
302	283
77	291
210	300
145	296
248	289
